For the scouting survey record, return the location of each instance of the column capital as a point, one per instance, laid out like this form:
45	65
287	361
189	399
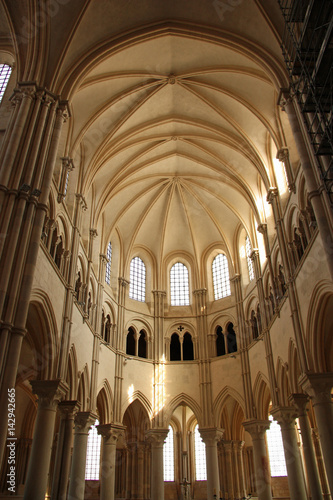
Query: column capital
111	432
200	291
83	421
318	386
69	408
161	293
236	278
262	228
157	436
282	154
272	194
284	415
81	202
93	232
211	435
256	428
123	282
49	392
284	98
67	163
300	401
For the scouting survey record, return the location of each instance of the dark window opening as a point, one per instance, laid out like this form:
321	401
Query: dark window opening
220	345
188	353
142	350
231	338
175	348
130	342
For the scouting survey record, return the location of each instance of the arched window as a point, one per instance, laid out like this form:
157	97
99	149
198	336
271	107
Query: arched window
175	354
169	457
275	449
142	348
200	456
188	353
5	72
220	344
108	264
107	329
254	325
179	285
130	342
221	278
248	249
231	338
93	454
137	289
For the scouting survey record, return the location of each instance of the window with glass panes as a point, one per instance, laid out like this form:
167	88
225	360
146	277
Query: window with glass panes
248	249
108	264
275	449
5	72
200	456
137	290
93	453
221	278
179	285
169	457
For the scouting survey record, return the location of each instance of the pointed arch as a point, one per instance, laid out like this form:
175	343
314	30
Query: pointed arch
105	403
183	399
141	398
282	381
261	396
83	392
72	373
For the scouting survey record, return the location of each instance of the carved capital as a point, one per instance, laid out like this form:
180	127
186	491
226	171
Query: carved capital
156	437
111	433
49	392
318	386
300	401
211	435
69	408
285	416
123	282
83	421
256	428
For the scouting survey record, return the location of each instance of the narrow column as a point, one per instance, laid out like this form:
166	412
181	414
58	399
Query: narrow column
229	472
156	437
141	456
210	437
83	422
63	455
49	393
257	429
110	434
241	471
319	386
286	419
301	401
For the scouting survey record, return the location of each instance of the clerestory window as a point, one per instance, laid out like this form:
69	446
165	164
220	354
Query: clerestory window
179	285
248	249
108	264
137	290
221	278
5	72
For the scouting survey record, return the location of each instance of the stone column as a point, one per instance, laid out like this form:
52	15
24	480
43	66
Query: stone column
49	393
319	386
83	422
241	471
257	429
210	437
110	434
156	437
141	474
63	455
301	401
229	486
286	419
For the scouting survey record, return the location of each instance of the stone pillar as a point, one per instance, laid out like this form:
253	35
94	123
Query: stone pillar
210	437
300	401
229	487
257	429
241	471
110	434
156	437
83	422
63	455
286	419
319	386
141	470
49	394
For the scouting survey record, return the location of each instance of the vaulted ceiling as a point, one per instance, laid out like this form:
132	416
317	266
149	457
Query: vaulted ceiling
175	122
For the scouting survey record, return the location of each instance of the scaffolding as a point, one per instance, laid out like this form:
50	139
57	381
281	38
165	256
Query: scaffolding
308	52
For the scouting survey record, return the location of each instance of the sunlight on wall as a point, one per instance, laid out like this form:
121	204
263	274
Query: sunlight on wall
242	252
130	393
158	386
261	248
280	176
